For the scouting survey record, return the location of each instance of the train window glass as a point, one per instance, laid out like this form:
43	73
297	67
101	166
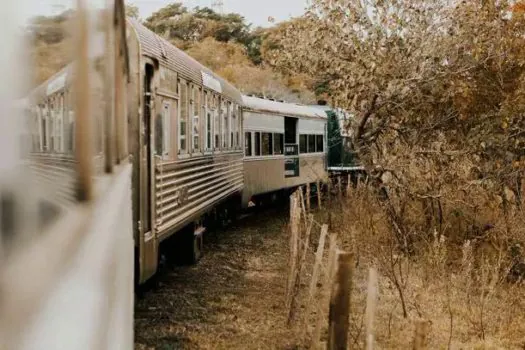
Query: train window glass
183	119
248	144
311	143
319	143
225	126
231	124
216	125
165	130
44	127
257	150
238	129
302	144
71	131
196	120
278	144
60	124
41	128
266	144
52	127
207	121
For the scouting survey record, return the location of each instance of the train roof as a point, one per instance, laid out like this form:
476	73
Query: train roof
187	67
53	84
282	108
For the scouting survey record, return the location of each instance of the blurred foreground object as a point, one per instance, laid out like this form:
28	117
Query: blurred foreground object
66	241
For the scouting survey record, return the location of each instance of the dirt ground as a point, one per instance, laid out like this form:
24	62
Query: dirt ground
232	299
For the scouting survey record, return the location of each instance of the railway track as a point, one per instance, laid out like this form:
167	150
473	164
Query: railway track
231	300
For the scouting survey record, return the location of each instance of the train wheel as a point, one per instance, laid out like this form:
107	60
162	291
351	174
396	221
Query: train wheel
197	250
192	244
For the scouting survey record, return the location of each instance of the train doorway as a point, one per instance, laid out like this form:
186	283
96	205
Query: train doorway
291	148
148	78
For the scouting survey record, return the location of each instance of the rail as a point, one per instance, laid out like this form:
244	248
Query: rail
67	283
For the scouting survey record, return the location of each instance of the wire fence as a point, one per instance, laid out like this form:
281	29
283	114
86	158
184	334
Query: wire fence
321	278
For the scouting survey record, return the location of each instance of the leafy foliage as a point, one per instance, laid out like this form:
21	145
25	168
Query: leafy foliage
437	87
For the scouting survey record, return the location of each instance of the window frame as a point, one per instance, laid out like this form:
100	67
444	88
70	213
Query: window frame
183	99
248	141
166	129
257	150
275	143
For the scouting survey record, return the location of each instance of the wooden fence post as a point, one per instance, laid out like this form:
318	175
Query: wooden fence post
339	321
294	236
332	255
317	268
420	335
318	194
348	184
308	197
371	304
339	188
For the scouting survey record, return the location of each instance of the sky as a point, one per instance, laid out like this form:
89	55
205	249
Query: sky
256	12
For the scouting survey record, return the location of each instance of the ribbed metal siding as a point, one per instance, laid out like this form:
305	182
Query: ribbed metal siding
205	181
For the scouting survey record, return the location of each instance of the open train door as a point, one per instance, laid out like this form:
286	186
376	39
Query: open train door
291	148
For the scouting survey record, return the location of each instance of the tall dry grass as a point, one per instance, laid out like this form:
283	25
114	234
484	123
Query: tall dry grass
459	275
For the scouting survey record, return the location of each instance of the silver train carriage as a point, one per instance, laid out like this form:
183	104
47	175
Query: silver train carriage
183	135
186	142
284	147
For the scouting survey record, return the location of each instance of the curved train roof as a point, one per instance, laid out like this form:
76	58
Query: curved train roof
188	68
283	108
55	83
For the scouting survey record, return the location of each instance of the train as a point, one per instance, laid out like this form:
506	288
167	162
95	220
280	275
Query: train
200	149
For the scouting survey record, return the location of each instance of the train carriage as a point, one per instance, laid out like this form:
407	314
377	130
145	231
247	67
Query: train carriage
285	146
185	138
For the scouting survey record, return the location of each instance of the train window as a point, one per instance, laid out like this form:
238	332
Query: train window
225	125
207	121
257	144
238	115
183	119
164	134
44	127
60	123
71	131
266	143
302	144
194	108
248	144
231	125
319	143
278	143
311	143
216	125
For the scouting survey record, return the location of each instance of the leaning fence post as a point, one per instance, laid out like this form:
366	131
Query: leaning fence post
339	321
294	233
308	197
318	194
329	276
371	304
317	267
420	335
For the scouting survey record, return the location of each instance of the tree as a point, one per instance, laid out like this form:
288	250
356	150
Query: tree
132	11
437	87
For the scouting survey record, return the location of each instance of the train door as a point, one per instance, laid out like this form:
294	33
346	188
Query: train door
291	148
148	104
148	244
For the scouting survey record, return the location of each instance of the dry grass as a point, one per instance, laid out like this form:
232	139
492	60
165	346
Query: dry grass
459	286
233	299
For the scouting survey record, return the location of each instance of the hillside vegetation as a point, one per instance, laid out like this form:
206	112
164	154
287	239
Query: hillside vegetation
225	43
